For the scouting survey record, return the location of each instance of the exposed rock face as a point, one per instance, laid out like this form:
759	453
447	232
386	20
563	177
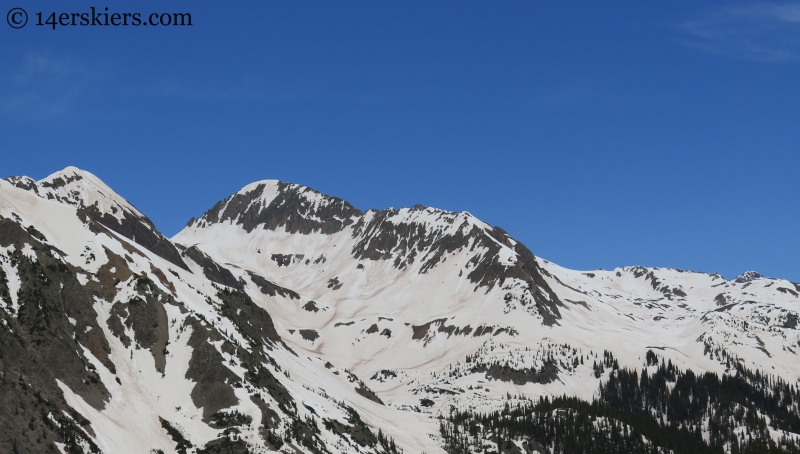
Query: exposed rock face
38	343
747	276
270	288
211	269
252	321
274	204
547	374
138	229
215	381
145	316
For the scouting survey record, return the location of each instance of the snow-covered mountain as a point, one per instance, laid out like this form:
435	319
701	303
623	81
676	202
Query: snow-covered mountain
285	319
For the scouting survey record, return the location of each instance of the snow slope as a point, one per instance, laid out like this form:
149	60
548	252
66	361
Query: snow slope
281	313
375	312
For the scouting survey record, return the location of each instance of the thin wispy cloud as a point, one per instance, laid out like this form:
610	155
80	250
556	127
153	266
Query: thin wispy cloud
53	89
61	90
194	90
246	90
768	32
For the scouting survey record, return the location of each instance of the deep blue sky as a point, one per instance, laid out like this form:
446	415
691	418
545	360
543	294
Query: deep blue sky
600	134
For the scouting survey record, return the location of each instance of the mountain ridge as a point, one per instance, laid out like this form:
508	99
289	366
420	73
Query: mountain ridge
100	203
286	320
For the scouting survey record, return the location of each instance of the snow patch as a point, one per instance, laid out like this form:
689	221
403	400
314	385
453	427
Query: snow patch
14	283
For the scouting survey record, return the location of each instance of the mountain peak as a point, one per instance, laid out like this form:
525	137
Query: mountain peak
747	276
272	204
418	238
76	187
81	188
97	202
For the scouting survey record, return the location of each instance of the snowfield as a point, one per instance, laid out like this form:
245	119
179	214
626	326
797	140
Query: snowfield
287	311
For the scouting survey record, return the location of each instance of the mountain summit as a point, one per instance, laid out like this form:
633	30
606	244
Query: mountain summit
270	204
101	204
747	276
286	320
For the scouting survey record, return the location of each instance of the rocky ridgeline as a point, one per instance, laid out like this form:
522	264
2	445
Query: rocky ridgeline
286	320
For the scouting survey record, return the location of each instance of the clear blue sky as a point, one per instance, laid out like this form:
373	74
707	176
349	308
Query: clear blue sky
600	134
